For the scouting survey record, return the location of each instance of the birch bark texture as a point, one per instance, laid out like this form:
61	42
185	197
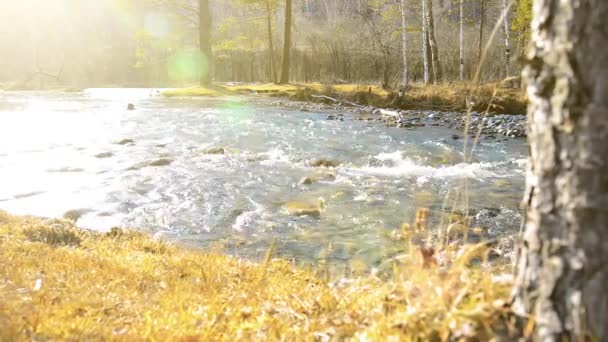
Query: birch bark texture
435	67
562	273
507	34
425	53
461	39
482	22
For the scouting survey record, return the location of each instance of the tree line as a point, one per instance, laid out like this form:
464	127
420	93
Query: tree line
363	40
392	42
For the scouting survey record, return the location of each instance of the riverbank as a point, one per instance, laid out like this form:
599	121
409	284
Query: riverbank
456	97
495	110
58	282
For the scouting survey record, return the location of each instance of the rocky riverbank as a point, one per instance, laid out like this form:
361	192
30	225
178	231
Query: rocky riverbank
491	126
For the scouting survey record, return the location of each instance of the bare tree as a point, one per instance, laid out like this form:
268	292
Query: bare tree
286	44
482	19
433	43
461	39
405	79
425	53
562	273
507	31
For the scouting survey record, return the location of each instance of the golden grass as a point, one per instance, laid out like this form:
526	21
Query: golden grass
271	89
58	282
448	96
454	96
194	92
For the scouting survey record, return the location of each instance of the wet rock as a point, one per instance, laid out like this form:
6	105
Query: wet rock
126	142
306	209
104	155
130	106
215	150
75	215
306	181
324	163
487	213
160	162
375	162
317	178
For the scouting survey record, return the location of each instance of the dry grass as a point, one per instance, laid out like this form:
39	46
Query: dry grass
195	92
452	96
58	282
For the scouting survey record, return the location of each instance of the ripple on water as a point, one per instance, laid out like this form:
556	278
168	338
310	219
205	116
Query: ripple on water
200	199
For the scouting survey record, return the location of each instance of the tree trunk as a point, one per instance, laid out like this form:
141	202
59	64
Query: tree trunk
507	29
425	54
482	19
204	30
461	39
562	273
270	43
433	43
286	44
405	80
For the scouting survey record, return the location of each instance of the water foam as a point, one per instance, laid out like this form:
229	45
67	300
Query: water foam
406	167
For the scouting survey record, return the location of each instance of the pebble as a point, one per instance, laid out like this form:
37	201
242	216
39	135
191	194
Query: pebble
491	126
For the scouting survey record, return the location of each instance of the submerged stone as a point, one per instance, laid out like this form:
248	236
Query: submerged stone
306	209
324	163
76	214
104	155
126	142
160	162
215	150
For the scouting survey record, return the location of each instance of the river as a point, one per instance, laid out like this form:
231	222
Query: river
61	152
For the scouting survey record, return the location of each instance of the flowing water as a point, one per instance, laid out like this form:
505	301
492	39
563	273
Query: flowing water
60	152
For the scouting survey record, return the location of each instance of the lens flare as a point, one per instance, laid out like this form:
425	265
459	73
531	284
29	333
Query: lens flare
187	65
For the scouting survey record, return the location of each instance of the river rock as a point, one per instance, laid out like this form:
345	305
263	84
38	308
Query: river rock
76	214
306	209
126	142
215	150
306	181
375	162
324	163
160	162
104	155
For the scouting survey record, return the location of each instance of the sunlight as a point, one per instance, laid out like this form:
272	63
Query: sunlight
156	24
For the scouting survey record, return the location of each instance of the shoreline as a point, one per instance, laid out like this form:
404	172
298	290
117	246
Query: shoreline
491	106
433	105
492	126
